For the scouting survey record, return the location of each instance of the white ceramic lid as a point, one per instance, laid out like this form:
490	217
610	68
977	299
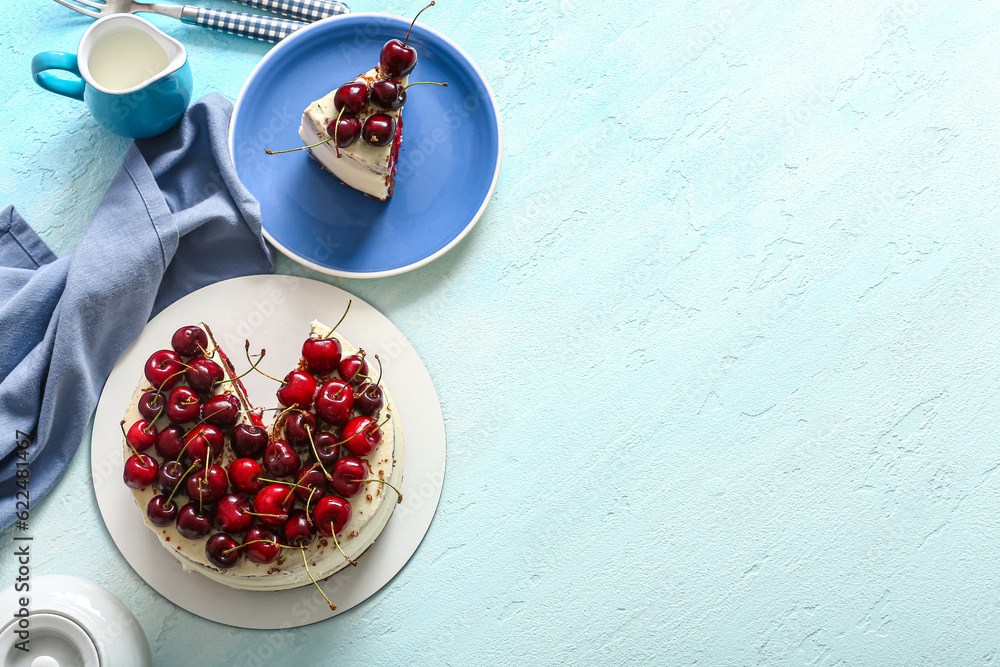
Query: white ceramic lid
53	641
70	622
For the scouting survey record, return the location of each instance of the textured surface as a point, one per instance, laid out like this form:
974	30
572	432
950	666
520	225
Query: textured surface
715	364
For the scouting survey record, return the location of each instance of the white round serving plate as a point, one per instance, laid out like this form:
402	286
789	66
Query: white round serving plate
274	312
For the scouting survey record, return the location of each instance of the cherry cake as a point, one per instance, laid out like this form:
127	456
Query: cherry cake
355	131
261	505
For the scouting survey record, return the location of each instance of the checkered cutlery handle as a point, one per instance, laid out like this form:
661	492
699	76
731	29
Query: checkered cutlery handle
264	28
303	10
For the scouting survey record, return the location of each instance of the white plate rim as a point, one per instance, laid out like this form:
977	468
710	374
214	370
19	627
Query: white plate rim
423	476
430	258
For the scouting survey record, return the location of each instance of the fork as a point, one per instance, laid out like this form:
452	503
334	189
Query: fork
255	26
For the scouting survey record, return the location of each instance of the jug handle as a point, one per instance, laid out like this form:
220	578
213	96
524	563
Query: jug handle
57	60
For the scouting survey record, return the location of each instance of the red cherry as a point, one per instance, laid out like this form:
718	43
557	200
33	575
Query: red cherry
203	374
163	369
151	405
309	479
321	354
298	530
280	460
347	130
273	502
361	435
189	341
331	515
142	435
223	551
140	471
378	129
233	513
334	402
397	59
345	473
194	522
261	545
388	94
160	512
222	411
298	427
170	441
298	390
353	369
203	442
182	405
208	484
353	95
168	477
249	441
327	447
369	399
244	475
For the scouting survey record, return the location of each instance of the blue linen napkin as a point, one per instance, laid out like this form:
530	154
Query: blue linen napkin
175	219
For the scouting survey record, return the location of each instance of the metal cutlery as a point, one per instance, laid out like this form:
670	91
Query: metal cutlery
264	28
302	10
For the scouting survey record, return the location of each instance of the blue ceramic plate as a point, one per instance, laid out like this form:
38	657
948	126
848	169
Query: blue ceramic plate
447	170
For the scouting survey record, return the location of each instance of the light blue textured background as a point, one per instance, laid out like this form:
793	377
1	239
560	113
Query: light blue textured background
717	365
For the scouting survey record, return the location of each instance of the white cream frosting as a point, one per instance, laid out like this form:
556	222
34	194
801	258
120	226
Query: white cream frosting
370	511
361	166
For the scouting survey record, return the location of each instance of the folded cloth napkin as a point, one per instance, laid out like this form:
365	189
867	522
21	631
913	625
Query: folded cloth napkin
175	218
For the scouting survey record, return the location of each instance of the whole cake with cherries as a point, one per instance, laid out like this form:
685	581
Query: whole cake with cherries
261	504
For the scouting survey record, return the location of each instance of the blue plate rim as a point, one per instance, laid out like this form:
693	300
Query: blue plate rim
278	48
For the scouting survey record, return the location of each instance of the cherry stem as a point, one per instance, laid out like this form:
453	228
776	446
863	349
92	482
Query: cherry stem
253	366
346	310
245	544
291	490
382	481
157	415
347	383
186	473
370	429
282	415
129	443
377	382
336	128
159	390
360	366
415	20
270	516
278	481
305	562
203	420
378	426
308	501
312	443
291	484
204	480
191	435
421	83
241	392
335	541
301	148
